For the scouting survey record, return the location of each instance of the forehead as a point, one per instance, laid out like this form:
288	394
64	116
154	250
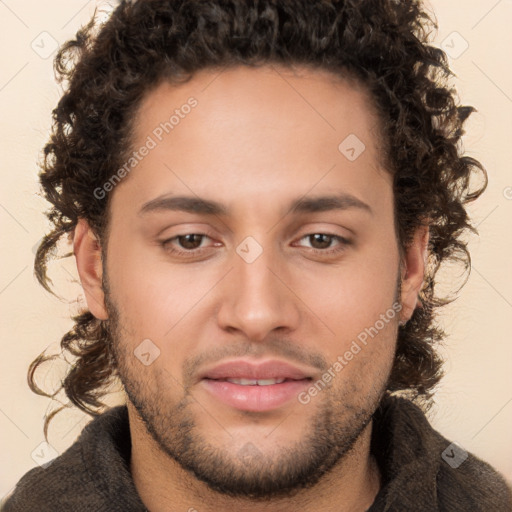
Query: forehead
254	132
267	97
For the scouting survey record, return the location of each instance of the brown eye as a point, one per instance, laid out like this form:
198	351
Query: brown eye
187	245
320	240
192	241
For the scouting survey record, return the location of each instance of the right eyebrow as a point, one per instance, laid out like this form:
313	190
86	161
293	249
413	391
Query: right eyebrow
342	201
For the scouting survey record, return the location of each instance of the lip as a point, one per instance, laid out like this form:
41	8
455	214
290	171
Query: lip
242	369
255	398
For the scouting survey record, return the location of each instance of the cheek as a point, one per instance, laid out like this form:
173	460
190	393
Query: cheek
357	303
354	297
364	340
151	298
162	303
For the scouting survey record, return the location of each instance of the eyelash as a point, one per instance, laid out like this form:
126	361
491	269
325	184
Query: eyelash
344	242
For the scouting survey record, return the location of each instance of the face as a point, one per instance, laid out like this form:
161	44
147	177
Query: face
252	275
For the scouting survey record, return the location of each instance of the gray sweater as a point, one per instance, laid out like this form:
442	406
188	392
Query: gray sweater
421	471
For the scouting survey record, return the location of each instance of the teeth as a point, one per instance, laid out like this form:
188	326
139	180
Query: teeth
256	382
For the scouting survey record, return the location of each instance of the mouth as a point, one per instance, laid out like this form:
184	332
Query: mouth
255	387
256	382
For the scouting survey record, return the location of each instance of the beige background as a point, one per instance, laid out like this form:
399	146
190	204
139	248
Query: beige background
474	403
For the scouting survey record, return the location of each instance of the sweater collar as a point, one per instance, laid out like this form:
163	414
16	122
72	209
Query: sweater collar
408	452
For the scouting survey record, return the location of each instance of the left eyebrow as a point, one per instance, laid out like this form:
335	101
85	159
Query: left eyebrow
208	207
184	203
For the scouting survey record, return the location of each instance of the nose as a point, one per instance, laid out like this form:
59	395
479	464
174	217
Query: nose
256	298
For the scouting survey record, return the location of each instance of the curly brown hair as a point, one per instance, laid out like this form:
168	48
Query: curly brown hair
383	44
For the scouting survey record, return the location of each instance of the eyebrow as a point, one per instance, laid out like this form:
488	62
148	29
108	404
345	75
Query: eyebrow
202	206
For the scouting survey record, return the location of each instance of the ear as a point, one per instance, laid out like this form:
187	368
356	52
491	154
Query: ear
87	251
413	269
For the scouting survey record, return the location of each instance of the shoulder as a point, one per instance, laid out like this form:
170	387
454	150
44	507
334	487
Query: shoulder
419	463
51	487
75	480
472	485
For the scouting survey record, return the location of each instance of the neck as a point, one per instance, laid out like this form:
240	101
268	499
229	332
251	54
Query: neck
164	486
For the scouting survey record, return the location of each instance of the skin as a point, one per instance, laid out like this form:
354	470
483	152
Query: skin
257	140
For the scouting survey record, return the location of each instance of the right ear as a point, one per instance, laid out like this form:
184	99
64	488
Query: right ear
87	250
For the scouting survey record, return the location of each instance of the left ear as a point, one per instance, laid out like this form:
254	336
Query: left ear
413	270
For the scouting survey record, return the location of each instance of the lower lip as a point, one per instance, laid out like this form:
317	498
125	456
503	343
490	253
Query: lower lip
255	398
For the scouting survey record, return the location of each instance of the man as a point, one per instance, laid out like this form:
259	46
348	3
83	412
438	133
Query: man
259	196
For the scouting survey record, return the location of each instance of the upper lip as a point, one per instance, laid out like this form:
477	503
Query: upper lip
242	369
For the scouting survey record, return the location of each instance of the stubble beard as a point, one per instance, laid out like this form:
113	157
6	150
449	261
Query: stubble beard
341	417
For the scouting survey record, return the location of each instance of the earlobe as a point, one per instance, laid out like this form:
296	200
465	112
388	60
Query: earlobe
87	250
413	272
